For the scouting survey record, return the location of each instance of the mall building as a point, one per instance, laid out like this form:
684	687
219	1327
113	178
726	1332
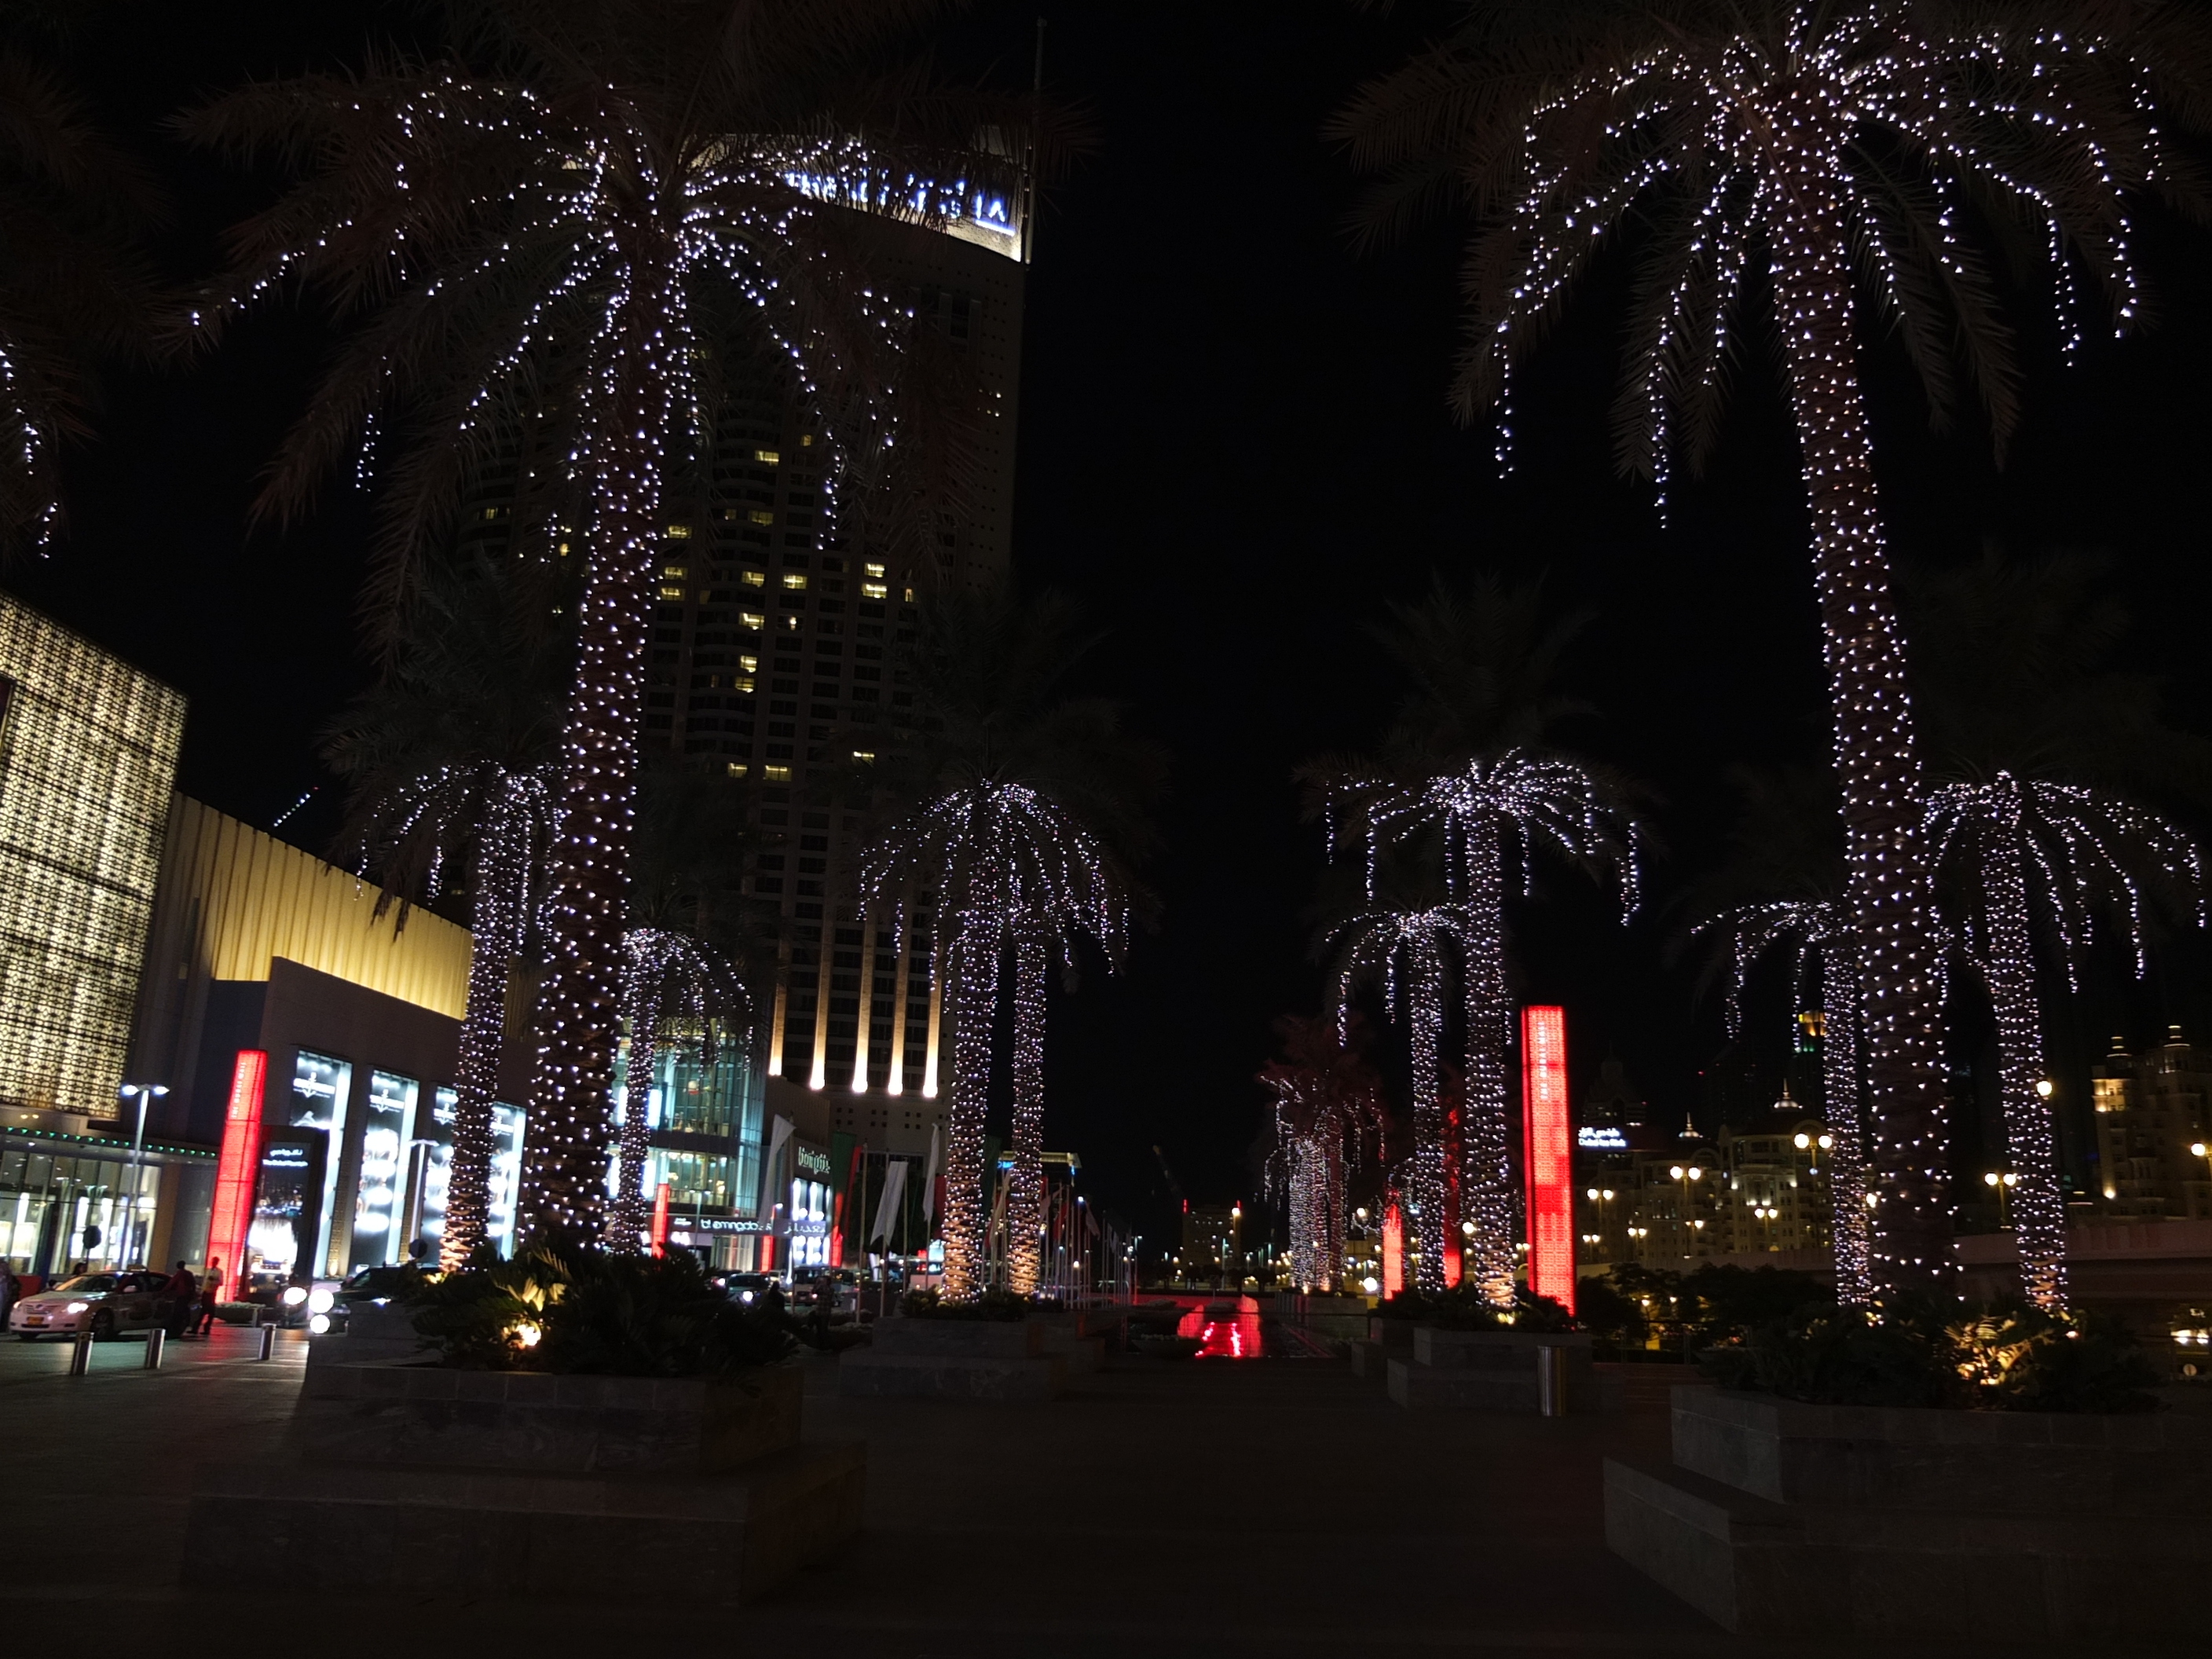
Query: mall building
166	969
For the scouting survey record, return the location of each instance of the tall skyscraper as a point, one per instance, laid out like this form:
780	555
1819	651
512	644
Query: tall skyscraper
774	658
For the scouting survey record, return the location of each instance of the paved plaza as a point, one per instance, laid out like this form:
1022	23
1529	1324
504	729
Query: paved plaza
1225	1509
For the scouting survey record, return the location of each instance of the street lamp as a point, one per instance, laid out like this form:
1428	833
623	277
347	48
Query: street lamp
1686	1175
144	1094
2004	1185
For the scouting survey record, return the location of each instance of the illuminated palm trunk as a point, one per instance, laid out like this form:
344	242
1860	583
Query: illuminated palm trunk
626	1216
1840	1082
483	1027
2038	1208
580	1013
1486	1170
976	1002
1025	1192
1427	968
1887	900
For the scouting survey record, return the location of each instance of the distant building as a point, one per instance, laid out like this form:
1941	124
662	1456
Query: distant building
1213	1255
2149	1110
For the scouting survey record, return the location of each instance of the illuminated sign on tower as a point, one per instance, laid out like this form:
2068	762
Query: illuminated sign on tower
1547	1141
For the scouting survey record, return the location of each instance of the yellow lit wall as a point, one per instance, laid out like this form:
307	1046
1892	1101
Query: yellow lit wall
233	899
87	759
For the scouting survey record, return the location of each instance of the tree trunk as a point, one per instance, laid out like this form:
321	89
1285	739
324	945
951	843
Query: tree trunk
626	1220
1427	991
1887	903
976	991
1840	1084
565	1163
484	1029
1025	1193
2038	1208
1486	1195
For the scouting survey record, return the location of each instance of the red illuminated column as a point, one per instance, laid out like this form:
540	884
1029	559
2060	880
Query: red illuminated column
660	1219
1394	1250
238	1168
1548	1154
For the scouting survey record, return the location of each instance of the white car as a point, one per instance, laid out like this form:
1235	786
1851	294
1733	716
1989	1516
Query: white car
111	1303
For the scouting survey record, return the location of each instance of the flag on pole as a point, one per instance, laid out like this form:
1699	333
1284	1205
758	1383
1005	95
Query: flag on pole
887	1207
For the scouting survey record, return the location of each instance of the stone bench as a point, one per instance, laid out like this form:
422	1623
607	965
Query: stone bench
1777	1516
955	1360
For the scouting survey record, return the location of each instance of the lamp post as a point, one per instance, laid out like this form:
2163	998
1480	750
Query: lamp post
2002	1185
144	1094
1686	1175
2198	1149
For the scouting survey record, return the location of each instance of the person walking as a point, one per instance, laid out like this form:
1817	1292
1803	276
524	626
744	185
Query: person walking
177	1298
210	1294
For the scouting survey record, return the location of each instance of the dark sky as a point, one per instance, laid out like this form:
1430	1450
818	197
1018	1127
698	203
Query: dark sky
1235	449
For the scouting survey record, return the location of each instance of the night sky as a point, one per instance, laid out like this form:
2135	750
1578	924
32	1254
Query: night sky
1235	450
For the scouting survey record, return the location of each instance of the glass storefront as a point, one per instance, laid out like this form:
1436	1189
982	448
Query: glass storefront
810	1224
380	1191
59	1210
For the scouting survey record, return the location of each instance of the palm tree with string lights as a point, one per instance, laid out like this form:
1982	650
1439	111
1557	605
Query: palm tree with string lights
1015	810
1460	769
1328	1102
448	762
1770	147
547	242
679	994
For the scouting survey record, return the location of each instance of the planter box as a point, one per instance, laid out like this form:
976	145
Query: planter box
408	1475
961	1338
1779	1517
426	1414
1791	1452
348	1529
1081	1355
1491	1370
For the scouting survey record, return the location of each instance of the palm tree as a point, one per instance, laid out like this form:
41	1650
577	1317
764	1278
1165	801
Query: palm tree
2005	849
1412	952
72	286
447	763
676	993
1327	1101
1814	930
1018	809
549	240
1459	769
1792	140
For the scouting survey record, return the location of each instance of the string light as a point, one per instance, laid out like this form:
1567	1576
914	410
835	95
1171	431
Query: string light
1814	134
1327	1103
2002	849
509	819
1815	930
674	991
1017	872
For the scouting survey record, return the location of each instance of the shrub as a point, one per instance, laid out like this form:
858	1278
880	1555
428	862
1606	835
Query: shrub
992	1304
2005	1357
1463	1308
589	1311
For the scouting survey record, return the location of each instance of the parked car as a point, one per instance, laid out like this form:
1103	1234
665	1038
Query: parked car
334	1304
745	1288
840	1286
111	1303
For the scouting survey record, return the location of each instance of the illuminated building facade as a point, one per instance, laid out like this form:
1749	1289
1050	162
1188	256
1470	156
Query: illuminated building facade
2150	1110
87	759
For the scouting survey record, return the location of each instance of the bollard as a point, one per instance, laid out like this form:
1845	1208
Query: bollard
154	1337
268	1341
1551	1382
80	1352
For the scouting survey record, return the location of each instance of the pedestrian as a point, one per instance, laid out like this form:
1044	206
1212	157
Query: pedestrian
177	1298
210	1294
10	1289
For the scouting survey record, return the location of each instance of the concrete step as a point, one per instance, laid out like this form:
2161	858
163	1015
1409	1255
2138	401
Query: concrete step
951	1376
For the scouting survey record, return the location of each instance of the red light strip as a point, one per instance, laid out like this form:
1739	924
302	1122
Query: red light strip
238	1168
1548	1153
660	1219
